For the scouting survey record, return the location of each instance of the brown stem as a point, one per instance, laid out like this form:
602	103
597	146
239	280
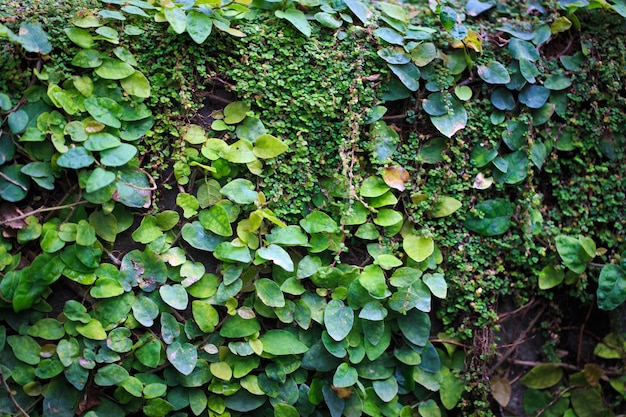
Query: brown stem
10	394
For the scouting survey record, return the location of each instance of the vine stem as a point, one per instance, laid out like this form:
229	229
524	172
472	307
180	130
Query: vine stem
10	394
43	210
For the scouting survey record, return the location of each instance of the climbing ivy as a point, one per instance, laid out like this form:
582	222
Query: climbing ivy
299	256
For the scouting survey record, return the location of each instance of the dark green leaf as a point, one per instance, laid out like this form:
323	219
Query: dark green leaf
490	218
338	319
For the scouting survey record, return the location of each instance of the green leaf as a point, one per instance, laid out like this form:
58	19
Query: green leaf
359	9
394	55
418	247
241	152
75	158
415	327
80	37
388	217
183	356
424	54
205	315
174	296
18	120
25	348
104	110
267	146
109	375
195	134
14	185
98	179
490	218
373	280
494	73
216	220
390	35
517	164
226	251
196	235
236	326
542	376
534	96
328	20
278	256
345	376
436	283
269	293
33	38
386	389
522	50
502	99
338	319
136	85
297	18
147	231
92	330
114	69
240	191
199	26
454	120
550	277
452	387
318	222
235	112
611	290
282	342
373	186
106	288
373	311
118	156
445	206
145	310
408	74
176	17
87	58
61	399
572	253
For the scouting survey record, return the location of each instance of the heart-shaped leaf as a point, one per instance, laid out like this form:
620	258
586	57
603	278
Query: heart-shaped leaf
183	356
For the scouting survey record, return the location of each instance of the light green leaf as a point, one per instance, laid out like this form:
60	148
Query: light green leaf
572	252
199	26
92	330
277	255
345	376
318	222
114	69
550	277
445	206
267	146
175	296
176	17
47	329
136	85
269	293
436	283
235	112
542	376
80	37
226	251
372	278
282	342
240	191
98	179
418	247
104	110
297	18
106	288
216	220
183	356
205	315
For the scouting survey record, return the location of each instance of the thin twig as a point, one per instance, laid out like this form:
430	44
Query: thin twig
521	337
43	210
10	394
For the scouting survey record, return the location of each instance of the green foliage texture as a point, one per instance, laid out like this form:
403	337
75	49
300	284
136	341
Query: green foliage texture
305	208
